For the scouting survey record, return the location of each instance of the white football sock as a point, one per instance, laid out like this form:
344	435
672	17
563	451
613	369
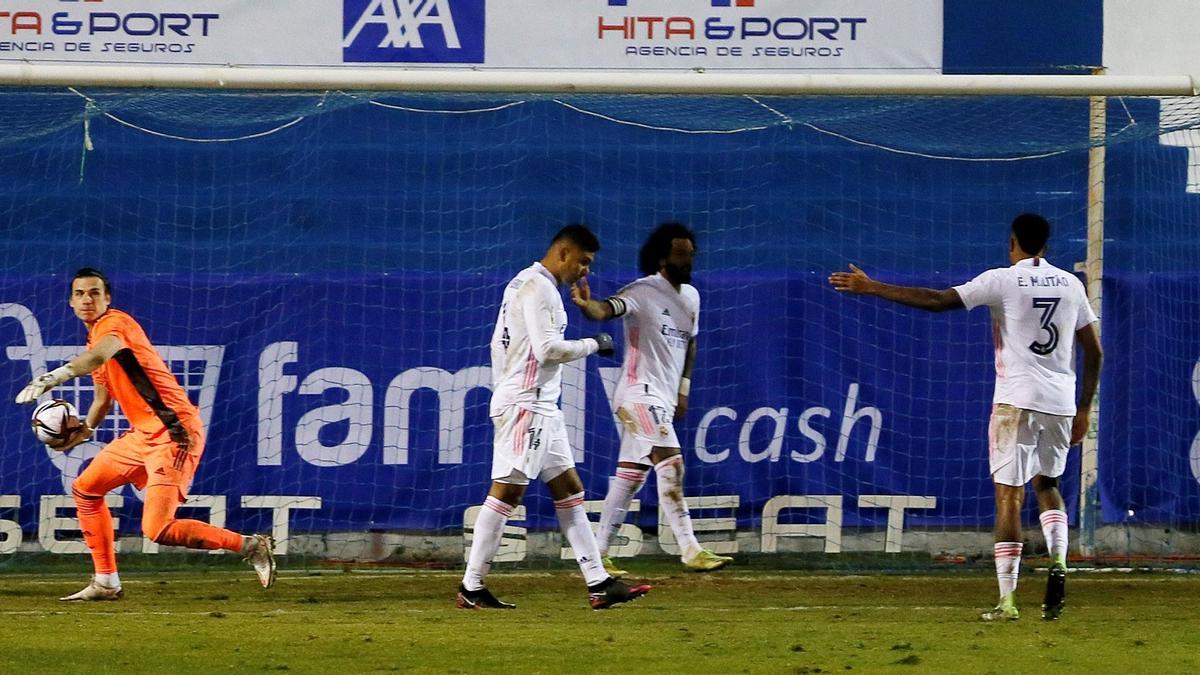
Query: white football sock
671	502
1008	565
489	530
573	520
1054	526
621	490
109	580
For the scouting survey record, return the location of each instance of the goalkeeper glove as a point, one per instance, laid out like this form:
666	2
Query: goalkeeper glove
44	383
605	343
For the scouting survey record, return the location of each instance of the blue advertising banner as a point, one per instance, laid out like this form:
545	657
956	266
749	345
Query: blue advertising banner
1150	431
326	292
383	416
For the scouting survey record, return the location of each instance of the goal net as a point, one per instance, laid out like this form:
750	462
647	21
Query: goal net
323	270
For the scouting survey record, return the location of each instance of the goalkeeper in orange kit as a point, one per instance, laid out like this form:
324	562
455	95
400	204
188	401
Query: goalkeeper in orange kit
159	452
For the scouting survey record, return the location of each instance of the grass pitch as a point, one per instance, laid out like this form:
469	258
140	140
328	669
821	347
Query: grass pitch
728	622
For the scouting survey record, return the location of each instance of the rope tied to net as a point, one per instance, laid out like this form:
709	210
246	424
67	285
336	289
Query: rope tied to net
89	109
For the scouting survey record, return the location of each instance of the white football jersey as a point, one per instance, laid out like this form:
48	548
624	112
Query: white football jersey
659	323
528	348
1036	309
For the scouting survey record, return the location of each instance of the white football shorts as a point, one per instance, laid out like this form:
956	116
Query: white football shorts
529	445
644	423
1026	443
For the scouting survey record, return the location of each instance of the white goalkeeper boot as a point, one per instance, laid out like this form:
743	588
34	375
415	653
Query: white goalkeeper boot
95	591
259	551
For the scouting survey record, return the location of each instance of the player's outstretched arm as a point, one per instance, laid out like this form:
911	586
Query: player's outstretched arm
1093	359
596	310
857	281
79	366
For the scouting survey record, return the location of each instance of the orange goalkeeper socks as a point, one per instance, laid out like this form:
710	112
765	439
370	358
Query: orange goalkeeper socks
95	520
199	534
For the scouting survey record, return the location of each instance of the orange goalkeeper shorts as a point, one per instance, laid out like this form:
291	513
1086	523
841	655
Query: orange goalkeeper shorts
154	459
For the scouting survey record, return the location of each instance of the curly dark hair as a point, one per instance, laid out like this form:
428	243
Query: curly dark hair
658	245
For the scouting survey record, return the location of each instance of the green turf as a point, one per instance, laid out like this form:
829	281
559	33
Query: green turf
731	621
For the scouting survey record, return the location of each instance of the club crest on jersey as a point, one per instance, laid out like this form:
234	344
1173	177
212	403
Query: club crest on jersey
413	31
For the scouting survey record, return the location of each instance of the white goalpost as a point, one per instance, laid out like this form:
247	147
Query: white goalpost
516	81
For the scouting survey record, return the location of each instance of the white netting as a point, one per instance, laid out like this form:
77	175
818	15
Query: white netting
322	270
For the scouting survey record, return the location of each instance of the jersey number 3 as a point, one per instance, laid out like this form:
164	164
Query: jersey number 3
1047	305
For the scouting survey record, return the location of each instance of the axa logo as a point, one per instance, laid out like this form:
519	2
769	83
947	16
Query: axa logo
715	3
413	31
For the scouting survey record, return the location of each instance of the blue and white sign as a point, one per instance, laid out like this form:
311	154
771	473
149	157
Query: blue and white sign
414	31
385	433
741	35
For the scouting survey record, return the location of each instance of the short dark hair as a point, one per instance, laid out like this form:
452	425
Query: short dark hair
658	245
1032	231
86	272
579	235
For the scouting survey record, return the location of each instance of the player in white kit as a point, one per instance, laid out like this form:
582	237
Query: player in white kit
1039	313
528	350
661	312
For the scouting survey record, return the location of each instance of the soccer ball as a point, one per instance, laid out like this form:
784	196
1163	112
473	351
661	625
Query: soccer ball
55	421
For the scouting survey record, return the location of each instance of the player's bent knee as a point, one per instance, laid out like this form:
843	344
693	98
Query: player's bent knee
660	454
156	536
154	528
1009	494
82	487
1041	483
565	484
509	493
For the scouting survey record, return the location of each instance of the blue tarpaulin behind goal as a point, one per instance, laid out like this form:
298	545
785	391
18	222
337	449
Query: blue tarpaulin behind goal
328	291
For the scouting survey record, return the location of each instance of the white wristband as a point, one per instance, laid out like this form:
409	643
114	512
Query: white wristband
62	374
685	386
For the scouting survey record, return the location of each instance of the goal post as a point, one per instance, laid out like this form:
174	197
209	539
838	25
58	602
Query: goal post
1093	268
589	82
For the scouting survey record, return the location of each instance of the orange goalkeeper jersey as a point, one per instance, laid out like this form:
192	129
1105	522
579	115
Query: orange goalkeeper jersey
138	380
